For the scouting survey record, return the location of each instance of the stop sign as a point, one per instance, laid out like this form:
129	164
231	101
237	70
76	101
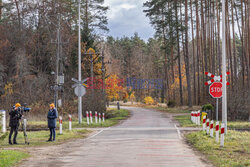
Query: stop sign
215	90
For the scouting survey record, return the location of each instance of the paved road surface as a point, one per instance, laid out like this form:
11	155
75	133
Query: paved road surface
147	139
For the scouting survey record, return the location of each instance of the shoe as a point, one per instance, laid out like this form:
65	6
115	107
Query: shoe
15	142
49	140
10	143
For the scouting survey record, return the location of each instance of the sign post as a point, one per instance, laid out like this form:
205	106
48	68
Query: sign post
80	91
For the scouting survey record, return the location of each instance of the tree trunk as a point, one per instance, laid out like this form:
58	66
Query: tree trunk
178	54
187	56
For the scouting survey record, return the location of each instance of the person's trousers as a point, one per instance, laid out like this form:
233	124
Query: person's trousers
13	129
52	133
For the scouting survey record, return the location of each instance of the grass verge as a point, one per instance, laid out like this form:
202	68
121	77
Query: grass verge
185	121
10	157
169	110
39	138
114	116
236	152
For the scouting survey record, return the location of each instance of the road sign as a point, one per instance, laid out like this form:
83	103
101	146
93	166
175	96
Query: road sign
80	91
215	90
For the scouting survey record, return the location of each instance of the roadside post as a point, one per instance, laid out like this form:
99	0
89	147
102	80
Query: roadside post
87	115
70	122
217	131
208	127
96	118
100	119
204	123
212	129
199	118
103	117
3	113
60	125
222	135
91	117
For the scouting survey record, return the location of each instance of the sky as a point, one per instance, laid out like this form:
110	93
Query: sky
126	17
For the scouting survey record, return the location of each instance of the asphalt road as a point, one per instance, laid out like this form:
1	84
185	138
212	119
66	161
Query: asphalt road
147	139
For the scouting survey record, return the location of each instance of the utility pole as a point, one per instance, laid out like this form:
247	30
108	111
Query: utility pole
1	6
224	86
79	61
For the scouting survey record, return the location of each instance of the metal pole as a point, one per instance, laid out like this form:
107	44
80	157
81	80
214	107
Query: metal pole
92	74
224	88
217	109
79	61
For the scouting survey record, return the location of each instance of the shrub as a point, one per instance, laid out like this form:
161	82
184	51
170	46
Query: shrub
207	107
148	100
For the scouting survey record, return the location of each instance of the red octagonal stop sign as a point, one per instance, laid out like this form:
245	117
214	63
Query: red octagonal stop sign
215	90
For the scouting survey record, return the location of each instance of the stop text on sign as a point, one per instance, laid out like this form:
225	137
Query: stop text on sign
215	90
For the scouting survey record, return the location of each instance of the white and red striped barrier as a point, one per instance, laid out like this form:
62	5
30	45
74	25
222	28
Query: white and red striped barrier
204	123
222	135
192	117
100	119
103	117
70	122
208	127
96	118
212	129
199	118
87	115
217	128
91	117
60	125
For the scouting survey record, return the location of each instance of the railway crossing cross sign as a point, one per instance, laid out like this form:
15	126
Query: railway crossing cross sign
80	90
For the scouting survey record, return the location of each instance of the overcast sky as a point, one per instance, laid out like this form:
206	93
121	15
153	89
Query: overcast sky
126	17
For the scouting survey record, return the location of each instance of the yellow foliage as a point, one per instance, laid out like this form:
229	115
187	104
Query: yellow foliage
8	89
148	100
113	87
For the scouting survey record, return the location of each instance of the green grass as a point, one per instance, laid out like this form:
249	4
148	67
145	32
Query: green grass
115	117
238	125
11	157
185	121
235	153
169	110
39	138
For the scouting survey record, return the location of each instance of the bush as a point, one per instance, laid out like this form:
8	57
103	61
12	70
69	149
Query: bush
171	104
207	107
149	100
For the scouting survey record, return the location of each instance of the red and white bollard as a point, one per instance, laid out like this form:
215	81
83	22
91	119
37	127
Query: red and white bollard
204	123
96	121
199	118
208	127
100	119
192	116
217	131
91	117
222	135
60	125
212	129
87	115
70	122
103	117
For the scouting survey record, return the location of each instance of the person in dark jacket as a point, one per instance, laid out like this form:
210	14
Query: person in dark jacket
15	116
52	115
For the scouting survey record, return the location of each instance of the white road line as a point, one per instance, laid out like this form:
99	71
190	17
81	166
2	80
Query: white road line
98	133
178	131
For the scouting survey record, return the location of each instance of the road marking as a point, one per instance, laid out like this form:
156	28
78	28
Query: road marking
178	131
98	133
